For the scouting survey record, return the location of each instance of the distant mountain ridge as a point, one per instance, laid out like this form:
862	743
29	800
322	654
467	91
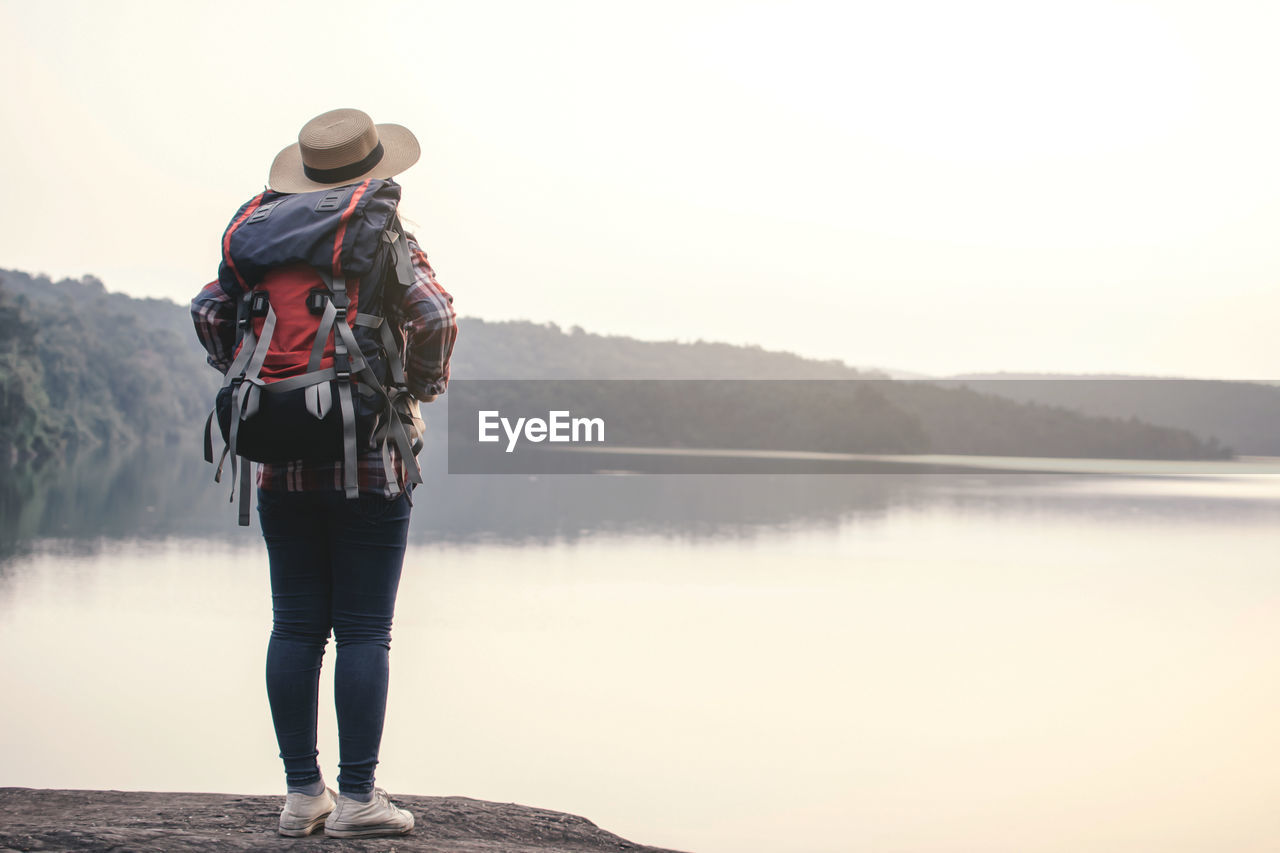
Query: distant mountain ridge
518	349
1241	415
80	365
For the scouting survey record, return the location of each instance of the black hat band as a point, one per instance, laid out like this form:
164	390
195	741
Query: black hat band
344	173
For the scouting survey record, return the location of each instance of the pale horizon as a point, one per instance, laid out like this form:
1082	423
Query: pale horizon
1083	188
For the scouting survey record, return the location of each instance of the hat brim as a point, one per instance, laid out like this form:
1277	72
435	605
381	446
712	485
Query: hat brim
400	150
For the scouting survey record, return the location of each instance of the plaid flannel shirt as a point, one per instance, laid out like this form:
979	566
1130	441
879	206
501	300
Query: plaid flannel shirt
430	327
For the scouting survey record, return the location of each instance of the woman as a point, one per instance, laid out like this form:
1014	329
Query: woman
335	562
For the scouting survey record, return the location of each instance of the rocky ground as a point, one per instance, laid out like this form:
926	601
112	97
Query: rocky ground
141	822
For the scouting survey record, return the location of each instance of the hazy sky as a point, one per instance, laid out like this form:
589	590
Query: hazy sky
931	186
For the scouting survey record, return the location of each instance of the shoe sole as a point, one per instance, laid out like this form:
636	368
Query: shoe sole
302	831
368	831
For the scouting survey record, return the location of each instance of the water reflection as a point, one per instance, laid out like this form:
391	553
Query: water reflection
159	492
736	664
147	492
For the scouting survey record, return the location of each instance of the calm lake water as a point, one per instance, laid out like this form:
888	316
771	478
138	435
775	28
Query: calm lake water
1004	662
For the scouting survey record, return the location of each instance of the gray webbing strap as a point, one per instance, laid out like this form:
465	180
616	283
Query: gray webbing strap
248	342
247	345
401	439
246	487
384	450
389	470
389	344
393	431
350	478
404	264
322	335
344	344
251	386
208	447
295	382
243	406
208	437
231	445
394	428
237	462
405	275
252	398
260	350
358	365
236	402
392	348
318	399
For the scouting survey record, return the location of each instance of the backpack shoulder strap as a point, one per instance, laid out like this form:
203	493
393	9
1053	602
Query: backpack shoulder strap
404	263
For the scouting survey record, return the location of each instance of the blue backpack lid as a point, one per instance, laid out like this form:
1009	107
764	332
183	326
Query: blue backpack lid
338	230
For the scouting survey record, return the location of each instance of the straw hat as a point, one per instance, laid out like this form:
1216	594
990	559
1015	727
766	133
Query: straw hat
342	147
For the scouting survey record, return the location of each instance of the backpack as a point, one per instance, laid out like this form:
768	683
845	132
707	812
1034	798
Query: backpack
318	372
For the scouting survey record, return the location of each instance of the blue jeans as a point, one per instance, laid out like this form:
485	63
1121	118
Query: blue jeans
335	565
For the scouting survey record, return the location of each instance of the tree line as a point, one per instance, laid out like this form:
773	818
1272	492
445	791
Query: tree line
82	367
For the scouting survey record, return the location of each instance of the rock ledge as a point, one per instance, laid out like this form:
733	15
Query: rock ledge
144	822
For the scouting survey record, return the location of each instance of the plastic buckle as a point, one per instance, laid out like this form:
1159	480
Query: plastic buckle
342	366
259	305
316	300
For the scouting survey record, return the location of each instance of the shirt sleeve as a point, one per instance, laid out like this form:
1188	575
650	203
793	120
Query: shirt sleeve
214	314
430	326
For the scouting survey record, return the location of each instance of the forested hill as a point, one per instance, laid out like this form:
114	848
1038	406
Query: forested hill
81	366
523	350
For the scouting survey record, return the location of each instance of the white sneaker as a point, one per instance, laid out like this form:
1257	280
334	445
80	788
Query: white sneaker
303	814
354	819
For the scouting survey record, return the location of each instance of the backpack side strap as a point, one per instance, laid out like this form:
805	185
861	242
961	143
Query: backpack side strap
245	402
394	427
389	345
